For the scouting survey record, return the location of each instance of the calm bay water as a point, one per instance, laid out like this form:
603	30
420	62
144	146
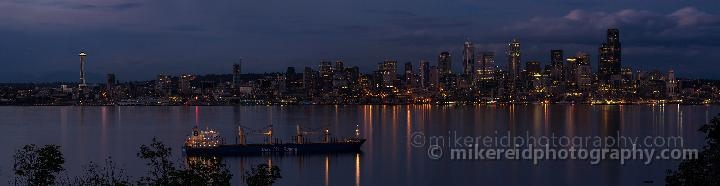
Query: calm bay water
94	133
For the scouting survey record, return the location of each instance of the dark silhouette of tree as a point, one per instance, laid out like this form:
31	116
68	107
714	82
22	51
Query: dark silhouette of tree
262	175
205	171
162	171
108	175
37	166
705	170
40	166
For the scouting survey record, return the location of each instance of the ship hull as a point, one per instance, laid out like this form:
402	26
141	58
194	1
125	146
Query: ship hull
287	148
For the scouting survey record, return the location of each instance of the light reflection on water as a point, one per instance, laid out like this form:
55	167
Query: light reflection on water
93	133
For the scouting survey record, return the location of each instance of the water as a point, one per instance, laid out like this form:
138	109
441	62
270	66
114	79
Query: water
94	133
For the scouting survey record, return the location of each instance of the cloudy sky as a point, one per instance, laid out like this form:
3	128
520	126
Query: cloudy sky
137	39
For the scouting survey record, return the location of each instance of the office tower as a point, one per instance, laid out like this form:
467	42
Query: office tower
82	84
339	75
609	63
163	84
424	71
310	82
110	86
579	73
444	64
468	59
388	70
513	54
532	67
556	65
352	75
486	65
185	87
485	79
326	76
671	84
236	75
513	74
290	76
434	77
408	76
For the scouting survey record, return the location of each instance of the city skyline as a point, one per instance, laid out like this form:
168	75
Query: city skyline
568	79
469	58
124	35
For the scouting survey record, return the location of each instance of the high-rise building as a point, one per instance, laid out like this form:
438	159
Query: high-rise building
236	74
671	84
82	84
610	56
532	67
326	76
424	71
290	75
444	64
409	75
339	65
184	87
556	65
579	73
513	78
310	82
513	54
110	86
339	75
486	66
468	59
163	84
388	69
434	77
486	81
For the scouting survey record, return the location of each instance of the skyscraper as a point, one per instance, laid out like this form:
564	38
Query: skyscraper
532	67
513	54
556	65
486	81
513	79
82	84
163	84
326	76
424	71
110	86
610	55
486	66
444	64
578	73
184	87
388	70
236	75
468	59
408	74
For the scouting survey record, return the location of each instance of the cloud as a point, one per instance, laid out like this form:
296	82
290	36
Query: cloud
124	6
690	16
686	26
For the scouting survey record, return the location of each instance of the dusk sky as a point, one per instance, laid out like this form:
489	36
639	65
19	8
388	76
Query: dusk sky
138	39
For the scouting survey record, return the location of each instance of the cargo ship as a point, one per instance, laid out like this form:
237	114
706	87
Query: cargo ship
209	143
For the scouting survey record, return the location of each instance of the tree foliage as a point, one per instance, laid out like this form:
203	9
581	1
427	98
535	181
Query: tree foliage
162	171
205	171
262	175
41	166
109	175
38	166
705	170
